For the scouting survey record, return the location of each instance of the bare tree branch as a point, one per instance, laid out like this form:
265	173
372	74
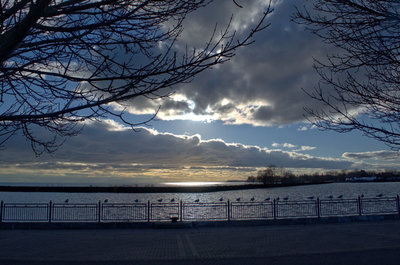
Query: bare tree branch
63	62
360	86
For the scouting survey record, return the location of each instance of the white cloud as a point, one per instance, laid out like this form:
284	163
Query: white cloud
307	148
303	128
284	145
373	155
275	145
288	145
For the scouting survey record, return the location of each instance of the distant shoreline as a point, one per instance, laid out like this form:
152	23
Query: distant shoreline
130	189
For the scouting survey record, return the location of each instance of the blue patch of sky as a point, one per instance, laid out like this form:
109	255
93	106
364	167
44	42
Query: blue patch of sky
327	143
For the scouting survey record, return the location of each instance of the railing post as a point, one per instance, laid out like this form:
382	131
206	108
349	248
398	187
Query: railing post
1	211
180	210
99	212
229	210
398	203
359	206
148	211
274	210
50	211
318	209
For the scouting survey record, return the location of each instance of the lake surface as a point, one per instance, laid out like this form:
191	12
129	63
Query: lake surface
323	191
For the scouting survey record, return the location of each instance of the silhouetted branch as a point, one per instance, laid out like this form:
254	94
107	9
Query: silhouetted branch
64	62
360	86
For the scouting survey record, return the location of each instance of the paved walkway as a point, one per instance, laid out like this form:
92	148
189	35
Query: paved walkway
346	243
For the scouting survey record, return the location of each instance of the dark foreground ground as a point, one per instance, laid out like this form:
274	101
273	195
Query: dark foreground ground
375	243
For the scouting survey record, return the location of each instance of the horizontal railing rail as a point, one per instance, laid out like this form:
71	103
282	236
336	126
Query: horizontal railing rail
195	211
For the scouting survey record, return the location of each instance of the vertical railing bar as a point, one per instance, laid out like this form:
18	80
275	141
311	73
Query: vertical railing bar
1	211
99	212
318	208
274	209
148	211
229	210
50	211
180	211
359	206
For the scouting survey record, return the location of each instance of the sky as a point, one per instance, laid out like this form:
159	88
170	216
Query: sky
226	124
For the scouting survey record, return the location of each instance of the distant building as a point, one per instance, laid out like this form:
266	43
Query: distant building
360	179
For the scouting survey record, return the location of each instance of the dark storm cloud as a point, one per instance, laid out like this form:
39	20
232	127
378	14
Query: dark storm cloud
181	106
273	70
262	84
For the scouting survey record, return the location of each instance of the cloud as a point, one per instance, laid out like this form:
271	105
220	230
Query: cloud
285	145
303	128
261	85
292	146
307	148
108	149
373	155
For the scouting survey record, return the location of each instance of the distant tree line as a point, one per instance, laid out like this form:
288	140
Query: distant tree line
280	176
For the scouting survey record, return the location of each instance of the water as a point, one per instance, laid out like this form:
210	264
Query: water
296	193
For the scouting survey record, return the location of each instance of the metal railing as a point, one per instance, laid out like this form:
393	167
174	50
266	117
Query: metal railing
195	211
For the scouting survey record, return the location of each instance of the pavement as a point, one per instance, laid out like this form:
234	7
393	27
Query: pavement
375	243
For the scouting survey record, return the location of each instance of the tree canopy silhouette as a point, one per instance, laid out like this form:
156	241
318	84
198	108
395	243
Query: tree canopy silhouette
360	82
63	62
